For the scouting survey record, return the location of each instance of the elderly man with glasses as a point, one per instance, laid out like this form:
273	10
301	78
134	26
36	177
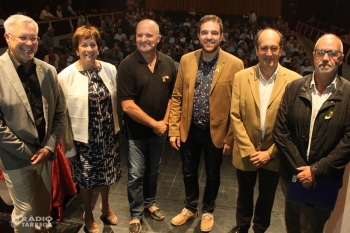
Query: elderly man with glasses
32	111
256	96
312	133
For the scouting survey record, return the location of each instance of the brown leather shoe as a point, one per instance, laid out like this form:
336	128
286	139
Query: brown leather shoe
183	217
135	227
110	219
207	222
157	214
90	230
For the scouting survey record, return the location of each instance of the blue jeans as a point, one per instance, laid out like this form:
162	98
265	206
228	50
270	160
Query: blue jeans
143	162
199	140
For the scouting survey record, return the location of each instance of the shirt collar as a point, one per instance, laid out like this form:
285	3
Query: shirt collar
273	77
212	62
17	63
333	84
140	58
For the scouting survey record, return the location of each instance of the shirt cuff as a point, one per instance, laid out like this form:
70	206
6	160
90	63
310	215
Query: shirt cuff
71	153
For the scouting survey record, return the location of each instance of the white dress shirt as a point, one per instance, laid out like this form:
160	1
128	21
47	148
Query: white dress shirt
265	89
317	101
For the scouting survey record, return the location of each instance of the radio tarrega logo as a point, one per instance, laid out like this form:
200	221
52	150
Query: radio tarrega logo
42	222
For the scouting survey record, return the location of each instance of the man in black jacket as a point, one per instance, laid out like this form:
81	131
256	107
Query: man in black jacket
67	9
312	132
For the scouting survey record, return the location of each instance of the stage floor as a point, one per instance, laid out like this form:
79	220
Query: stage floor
170	198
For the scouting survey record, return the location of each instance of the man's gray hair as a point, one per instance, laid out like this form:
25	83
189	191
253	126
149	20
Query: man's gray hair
330	34
18	19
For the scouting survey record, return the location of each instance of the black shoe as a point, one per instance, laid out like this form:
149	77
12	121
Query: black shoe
237	229
234	230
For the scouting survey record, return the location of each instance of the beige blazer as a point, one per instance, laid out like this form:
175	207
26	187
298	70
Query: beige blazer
181	108
18	133
245	115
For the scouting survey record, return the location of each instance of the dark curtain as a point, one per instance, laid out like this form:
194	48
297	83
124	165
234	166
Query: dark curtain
265	8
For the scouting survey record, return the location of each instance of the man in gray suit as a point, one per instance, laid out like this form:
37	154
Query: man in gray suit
32	110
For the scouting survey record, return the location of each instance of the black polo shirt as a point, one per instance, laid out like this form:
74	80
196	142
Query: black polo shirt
150	91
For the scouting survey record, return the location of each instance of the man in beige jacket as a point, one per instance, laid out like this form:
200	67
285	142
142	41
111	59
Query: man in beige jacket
257	92
199	117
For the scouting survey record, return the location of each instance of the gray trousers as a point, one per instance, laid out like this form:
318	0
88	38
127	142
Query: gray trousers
301	218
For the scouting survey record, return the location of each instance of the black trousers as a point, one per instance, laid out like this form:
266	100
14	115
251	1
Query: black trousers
200	140
268	181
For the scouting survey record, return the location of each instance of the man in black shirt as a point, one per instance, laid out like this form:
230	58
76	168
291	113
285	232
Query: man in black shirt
145	82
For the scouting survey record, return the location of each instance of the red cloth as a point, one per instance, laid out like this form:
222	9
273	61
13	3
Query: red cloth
62	183
1	175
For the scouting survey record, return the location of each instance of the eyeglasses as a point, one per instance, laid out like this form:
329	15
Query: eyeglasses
331	53
265	49
24	39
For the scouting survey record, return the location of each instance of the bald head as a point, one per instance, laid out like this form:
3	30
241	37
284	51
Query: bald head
147	36
330	38
269	31
328	55
148	23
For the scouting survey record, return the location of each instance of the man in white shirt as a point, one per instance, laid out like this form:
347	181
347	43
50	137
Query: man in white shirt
120	35
252	17
169	38
45	14
257	92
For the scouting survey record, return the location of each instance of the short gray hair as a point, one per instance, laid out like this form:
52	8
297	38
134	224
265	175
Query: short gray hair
18	19
330	34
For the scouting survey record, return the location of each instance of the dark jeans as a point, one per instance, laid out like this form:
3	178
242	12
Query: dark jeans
200	140
301	218
268	181
144	158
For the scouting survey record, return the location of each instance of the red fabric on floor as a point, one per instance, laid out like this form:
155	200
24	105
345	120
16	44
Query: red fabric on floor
1	175
62	183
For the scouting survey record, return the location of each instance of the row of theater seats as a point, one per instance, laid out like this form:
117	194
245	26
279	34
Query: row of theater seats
327	27
314	33
67	25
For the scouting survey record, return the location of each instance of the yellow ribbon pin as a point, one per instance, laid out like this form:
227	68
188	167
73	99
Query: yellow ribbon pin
40	69
218	67
329	116
164	78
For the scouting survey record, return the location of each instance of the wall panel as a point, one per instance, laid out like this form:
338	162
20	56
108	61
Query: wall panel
266	8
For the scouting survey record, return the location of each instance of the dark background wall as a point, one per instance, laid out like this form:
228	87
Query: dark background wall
334	12
264	8
8	7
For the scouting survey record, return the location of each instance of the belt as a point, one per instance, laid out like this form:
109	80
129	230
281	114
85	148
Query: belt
200	126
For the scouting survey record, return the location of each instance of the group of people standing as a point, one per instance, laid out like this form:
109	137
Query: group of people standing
268	118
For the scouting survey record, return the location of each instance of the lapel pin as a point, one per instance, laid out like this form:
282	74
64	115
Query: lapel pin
40	68
164	78
218	67
329	116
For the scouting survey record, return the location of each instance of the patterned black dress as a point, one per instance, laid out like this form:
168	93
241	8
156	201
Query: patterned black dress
98	161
